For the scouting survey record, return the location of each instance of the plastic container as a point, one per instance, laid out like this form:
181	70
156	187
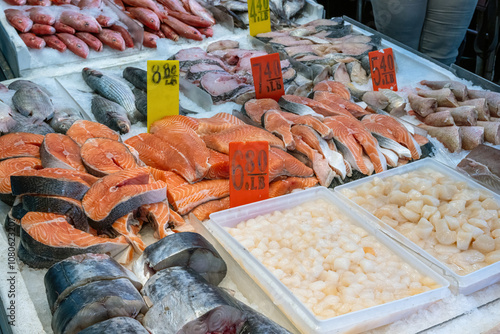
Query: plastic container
462	284
282	297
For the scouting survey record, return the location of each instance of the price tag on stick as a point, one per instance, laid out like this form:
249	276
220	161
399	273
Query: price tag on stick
163	89
267	76
259	16
248	177
383	69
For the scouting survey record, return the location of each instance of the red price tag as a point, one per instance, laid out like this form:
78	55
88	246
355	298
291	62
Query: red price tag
248	178
267	76
383	69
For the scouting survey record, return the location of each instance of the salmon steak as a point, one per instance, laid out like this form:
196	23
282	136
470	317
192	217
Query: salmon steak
282	163
60	151
52	181
81	130
187	142
172	179
104	156
219	166
334	87
9	167
240	133
185	198
286	186
117	194
217	123
203	211
337	103
256	108
161	218
274	122
129	227
390	128
20	144
156	153
47	238
69	207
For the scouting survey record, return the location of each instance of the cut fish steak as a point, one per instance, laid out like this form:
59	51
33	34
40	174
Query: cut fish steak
9	167
103	156
81	130
60	151
186	197
20	144
223	86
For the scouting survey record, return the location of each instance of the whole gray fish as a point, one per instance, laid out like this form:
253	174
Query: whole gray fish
6	120
113	90
27	124
141	101
21	83
63	119
118	325
67	275
183	302
185	249
236	6
32	101
95	302
111	114
137	77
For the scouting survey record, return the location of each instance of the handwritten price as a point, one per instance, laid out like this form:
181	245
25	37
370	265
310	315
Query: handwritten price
259	10
169	74
383	69
267	77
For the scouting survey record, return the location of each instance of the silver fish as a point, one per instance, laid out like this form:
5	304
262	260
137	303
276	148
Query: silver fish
113	90
136	77
6	120
111	114
63	119
32	101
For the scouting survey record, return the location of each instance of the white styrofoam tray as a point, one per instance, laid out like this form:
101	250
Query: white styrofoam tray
465	284
290	305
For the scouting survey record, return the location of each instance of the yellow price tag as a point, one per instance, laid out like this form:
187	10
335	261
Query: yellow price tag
259	16
163	89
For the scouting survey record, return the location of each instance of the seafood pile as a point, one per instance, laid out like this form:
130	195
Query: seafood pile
459	117
33	110
327	46
283	13
482	165
62	26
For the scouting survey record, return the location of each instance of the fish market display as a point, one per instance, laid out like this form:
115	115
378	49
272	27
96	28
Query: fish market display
451	220
184	302
482	165
456	118
60	151
77	28
185	249
9	167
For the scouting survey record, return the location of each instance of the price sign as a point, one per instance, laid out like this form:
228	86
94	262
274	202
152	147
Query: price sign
383	69
267	76
259	16
248	177
163	89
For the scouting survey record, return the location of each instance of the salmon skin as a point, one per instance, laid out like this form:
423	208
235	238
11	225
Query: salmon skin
81	130
116	325
117	194
74	44
186	197
52	181
69	207
18	20
65	276
95	302
10	166
60	151
172	288
20	144
286	186
54	42
80	22
129	227
47	238
103	156
185	249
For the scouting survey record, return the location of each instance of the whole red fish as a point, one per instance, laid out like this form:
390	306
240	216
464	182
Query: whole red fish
174	5
74	44
43	29
18	20
209	32
89	4
38	2
149	40
40	15
61	27
105	21
55	43
92	41
169	33
111	38
158	33
129	42
191	20
119	4
80	22
149	4
61	2
183	29
146	17
32	41
200	11
16	2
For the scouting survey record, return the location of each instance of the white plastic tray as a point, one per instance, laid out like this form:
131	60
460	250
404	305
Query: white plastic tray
290	305
465	284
